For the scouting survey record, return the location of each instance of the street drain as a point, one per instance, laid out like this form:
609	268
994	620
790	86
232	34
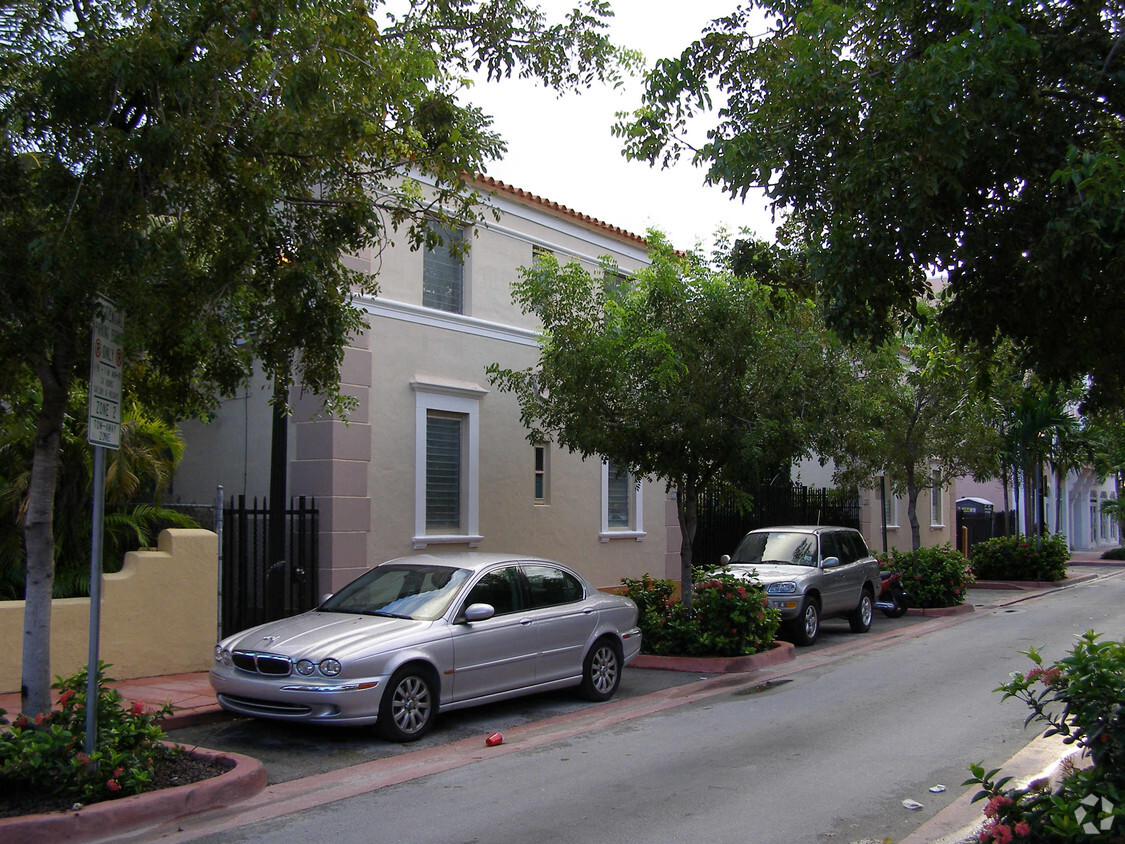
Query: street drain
763	687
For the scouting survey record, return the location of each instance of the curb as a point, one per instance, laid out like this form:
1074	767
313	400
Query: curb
961	820
941	612
778	653
97	821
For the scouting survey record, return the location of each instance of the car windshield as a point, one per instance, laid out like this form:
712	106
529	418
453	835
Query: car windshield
777	548
400	591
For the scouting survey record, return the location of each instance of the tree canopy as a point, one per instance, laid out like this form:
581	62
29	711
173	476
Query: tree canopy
204	164
920	420
979	140
673	372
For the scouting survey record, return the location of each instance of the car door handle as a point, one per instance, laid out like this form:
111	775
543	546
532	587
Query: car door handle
525	622
588	611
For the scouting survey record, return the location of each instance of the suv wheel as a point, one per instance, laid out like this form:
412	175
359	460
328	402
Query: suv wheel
860	619
807	625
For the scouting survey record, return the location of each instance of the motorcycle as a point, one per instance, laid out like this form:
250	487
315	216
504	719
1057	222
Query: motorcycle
893	597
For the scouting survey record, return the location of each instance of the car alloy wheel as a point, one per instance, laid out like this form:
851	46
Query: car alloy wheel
601	671
860	619
407	711
807	625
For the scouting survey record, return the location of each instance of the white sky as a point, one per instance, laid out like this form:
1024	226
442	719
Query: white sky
562	148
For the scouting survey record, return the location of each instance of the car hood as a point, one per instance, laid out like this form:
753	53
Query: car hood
315	635
770	573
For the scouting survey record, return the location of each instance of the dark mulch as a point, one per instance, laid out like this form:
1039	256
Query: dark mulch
177	769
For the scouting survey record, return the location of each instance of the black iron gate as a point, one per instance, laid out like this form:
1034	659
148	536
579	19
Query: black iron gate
724	518
256	589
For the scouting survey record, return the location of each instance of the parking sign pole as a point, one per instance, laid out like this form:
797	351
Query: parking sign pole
103	432
95	600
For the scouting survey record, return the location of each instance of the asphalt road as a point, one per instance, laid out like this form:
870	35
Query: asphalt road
828	753
291	751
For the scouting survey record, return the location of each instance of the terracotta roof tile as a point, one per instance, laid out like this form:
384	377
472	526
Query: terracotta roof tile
521	195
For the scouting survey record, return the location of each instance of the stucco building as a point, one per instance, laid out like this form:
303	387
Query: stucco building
434	458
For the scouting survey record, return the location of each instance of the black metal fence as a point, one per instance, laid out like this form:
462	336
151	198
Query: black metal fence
724	518
255	588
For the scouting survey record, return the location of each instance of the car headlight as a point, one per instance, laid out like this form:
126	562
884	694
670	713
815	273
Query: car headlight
305	667
330	667
222	655
787	587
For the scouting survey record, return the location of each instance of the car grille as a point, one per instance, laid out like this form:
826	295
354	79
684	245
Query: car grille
271	664
253	706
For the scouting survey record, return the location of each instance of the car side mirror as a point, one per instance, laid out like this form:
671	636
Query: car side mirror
830	562
479	612
325	597
724	560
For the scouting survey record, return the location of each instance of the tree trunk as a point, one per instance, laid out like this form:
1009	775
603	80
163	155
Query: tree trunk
687	512
1059	480
39	539
1121	516
1005	480
912	508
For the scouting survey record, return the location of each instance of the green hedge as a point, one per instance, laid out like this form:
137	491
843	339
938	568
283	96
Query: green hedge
728	617
934	577
1021	558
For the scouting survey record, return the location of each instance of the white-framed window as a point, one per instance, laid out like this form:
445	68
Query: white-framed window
446	464
889	501
937	508
542	476
443	272
622	512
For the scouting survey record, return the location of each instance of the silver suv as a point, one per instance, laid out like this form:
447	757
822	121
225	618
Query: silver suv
810	573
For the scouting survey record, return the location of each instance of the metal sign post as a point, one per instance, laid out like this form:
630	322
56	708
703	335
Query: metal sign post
103	427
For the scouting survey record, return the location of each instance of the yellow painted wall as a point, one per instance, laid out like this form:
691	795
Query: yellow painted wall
159	615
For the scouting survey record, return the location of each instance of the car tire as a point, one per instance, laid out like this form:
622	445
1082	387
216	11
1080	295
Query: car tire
807	625
860	619
601	670
409	705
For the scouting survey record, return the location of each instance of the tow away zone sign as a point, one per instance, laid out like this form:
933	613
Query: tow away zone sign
106	360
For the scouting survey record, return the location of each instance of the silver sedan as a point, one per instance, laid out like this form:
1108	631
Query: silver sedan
429	632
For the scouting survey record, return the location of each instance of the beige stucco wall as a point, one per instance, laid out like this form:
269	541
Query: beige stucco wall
899	536
158	615
363	473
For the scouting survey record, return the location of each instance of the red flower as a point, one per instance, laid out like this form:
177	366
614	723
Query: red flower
118	772
996	804
113	785
1002	834
81	758
65	697
1022	829
39	719
22	721
137	709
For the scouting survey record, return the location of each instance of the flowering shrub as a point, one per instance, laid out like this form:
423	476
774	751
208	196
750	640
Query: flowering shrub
728	617
1082	698
935	577
45	753
1021	558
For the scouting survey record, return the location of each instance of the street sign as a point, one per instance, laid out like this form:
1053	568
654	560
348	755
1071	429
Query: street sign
106	359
